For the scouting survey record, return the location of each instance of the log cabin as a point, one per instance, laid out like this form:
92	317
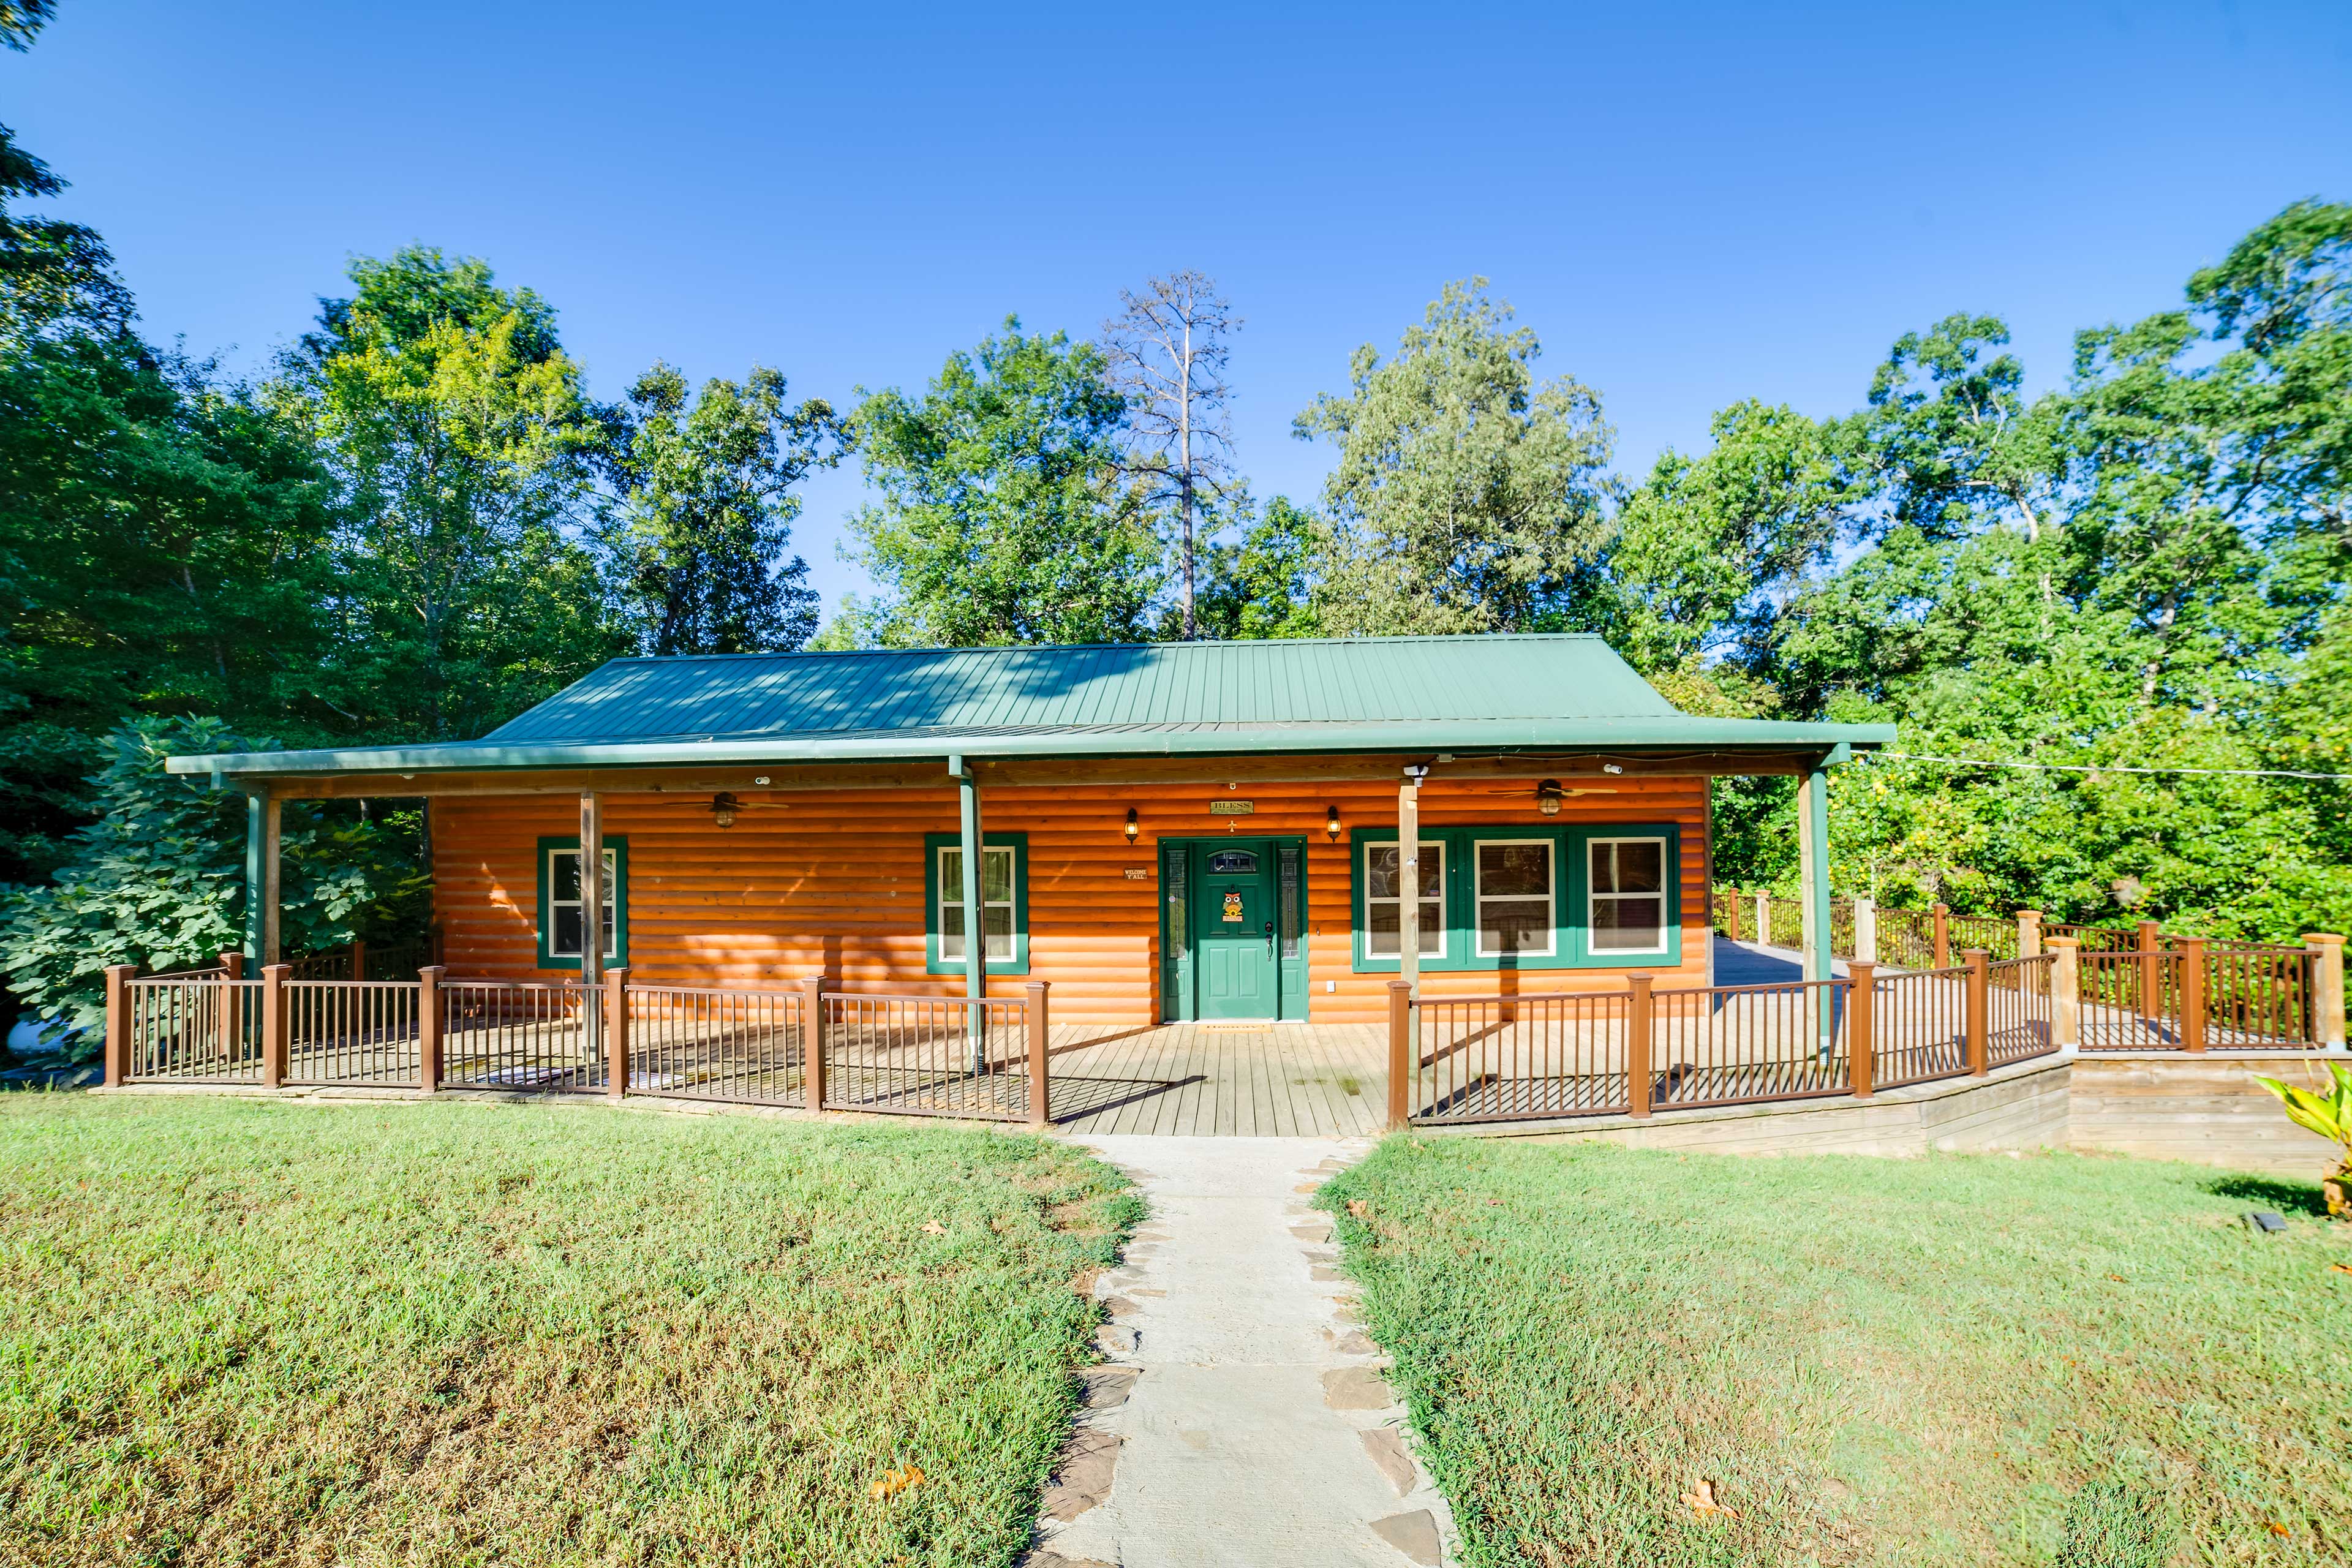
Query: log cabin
1172	831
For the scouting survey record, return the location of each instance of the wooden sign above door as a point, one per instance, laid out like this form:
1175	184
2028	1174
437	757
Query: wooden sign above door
1232	807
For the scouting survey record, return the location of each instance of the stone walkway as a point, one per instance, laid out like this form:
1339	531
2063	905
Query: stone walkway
1242	1419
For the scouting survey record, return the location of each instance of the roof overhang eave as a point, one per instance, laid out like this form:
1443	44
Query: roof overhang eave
1628	735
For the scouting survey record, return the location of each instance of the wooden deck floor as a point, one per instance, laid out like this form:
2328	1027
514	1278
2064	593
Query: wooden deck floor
1274	1080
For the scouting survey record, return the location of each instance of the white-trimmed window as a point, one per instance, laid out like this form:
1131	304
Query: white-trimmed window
1515	880
565	924
1627	904
995	902
1384	901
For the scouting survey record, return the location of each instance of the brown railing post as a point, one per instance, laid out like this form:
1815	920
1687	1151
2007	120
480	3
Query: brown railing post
232	1040
1637	1045
1942	915
273	1024
359	958
1041	1110
119	977
2326	950
1731	913
428	1029
2065	991
1979	1011
616	1032
2151	972
2192	993
1401	1054
1861	1030
813	1042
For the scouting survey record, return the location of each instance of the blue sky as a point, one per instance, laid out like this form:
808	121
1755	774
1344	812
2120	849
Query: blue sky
1690	204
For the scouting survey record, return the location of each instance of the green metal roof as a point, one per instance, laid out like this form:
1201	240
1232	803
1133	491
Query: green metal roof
1402	694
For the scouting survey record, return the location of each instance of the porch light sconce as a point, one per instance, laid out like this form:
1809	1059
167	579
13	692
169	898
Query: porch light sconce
1611	768
1548	798
722	809
1132	829
1331	824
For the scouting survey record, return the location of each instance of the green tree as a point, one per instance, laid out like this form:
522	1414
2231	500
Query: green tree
158	880
1708	549
705	509
1467	494
163	548
1001	516
52	273
1262	583
463	449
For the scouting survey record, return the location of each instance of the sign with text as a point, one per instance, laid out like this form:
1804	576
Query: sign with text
1232	807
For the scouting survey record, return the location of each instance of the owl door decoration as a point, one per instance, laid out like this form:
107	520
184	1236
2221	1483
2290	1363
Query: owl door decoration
1233	908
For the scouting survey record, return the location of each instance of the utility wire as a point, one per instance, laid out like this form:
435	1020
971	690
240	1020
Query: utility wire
2104	767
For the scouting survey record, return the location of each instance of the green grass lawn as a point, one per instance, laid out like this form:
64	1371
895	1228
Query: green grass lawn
1960	1360
234	1332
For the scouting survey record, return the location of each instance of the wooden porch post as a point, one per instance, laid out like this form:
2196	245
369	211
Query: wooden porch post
1861	1026
262	896
1409	880
1041	1105
975	910
591	922
1865	929
2192	993
812	1043
2326	950
119	977
1637	1045
232	966
1942	915
428	1029
359	958
2065	991
1979	1004
2151	974
2029	933
273	1024
616	1032
1401	1055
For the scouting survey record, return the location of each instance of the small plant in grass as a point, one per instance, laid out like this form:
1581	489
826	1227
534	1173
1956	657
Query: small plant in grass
2330	1116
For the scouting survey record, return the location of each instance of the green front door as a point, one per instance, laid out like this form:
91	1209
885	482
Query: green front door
1233	933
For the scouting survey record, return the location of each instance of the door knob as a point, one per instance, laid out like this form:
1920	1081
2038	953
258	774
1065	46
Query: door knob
1269	938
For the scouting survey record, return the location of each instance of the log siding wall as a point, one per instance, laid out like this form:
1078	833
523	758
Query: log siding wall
805	881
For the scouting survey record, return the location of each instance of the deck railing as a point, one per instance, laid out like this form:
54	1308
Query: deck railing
2138	982
1501	1059
899	1053
1642	1050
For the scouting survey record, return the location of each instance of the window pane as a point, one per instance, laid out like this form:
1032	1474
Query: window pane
606	925
564	877
1619	925
1432	869
1513	870
1515	925
995	874
565	939
996	920
1631	866
950	874
1381	924
1432	929
1380	873
950	930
